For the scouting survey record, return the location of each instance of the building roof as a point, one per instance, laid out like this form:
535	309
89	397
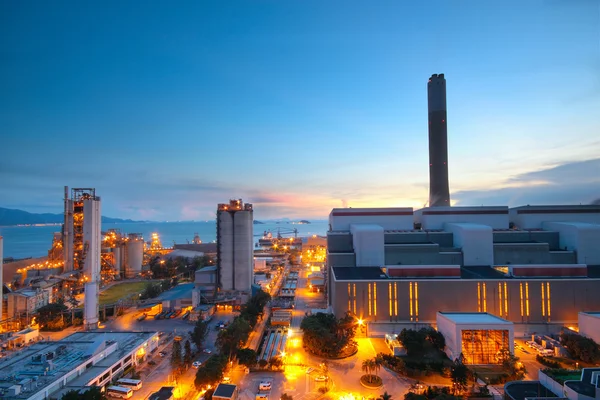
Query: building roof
595	314
183	290
564	209
183	253
224	390
68	354
348	212
451	210
520	390
474	318
202	247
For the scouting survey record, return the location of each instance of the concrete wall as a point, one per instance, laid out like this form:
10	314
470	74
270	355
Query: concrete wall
552	238
444	239
368	244
521	253
580	237
340	219
589	326
235	240
341	259
536	220
568	297
475	241
416	254
437	217
339	242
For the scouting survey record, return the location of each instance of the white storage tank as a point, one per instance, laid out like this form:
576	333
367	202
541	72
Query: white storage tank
135	255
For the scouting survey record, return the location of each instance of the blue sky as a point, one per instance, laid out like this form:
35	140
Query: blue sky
296	106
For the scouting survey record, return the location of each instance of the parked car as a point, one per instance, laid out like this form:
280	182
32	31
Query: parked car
196	364
264	386
226	379
309	370
207	351
321	378
162	354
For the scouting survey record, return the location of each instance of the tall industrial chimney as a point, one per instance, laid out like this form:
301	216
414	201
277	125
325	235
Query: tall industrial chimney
439	191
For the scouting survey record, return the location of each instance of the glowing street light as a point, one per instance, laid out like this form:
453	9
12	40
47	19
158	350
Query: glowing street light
360	321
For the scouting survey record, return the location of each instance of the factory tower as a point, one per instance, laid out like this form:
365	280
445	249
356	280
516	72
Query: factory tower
82	238
235	257
439	191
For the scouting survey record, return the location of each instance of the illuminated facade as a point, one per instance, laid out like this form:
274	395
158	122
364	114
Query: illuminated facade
465	259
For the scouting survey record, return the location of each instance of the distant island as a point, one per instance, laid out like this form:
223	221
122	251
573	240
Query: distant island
258	222
303	221
11	217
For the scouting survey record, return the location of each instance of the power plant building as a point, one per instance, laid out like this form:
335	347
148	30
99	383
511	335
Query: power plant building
235	254
536	267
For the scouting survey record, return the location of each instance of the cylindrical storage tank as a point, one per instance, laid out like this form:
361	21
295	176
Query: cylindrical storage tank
135	257
117	256
90	305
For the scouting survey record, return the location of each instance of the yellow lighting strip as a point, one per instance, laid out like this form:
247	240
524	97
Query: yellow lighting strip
505	299
484	298
548	297
390	297
417	301
500	297
527	298
543	301
395	299
375	299
478	297
349	298
410	299
522	300
370	301
354	298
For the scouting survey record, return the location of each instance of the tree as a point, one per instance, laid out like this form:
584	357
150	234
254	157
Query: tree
176	358
326	336
386	396
276	362
515	369
412	341
286	396
459	373
246	357
50	316
198	335
92	393
187	355
211	371
233	337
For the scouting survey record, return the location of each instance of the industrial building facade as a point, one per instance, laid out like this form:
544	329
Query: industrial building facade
465	259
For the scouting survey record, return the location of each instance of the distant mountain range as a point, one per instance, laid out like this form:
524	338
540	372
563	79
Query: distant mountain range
10	217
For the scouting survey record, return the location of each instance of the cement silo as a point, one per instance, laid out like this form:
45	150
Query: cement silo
235	253
135	255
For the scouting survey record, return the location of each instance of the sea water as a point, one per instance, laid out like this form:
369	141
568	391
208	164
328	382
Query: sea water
35	241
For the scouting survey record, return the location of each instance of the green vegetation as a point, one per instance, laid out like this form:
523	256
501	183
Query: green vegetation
561	375
371	369
421	341
236	334
179	265
460	374
581	348
432	393
93	393
176	358
326	336
547	362
198	335
286	396
187	355
425	353
51	317
211	371
246	357
120	291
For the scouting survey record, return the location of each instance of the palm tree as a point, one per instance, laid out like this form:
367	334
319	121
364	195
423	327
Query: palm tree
372	367
366	367
377	363
386	396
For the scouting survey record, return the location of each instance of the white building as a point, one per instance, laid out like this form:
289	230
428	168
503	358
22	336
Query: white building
479	337
50	369
589	325
235	257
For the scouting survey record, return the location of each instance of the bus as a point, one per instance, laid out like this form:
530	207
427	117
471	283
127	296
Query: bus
119	392
134	384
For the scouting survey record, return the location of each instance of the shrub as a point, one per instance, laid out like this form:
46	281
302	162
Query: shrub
547	362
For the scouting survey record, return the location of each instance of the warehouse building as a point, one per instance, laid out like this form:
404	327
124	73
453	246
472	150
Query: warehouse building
50	369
